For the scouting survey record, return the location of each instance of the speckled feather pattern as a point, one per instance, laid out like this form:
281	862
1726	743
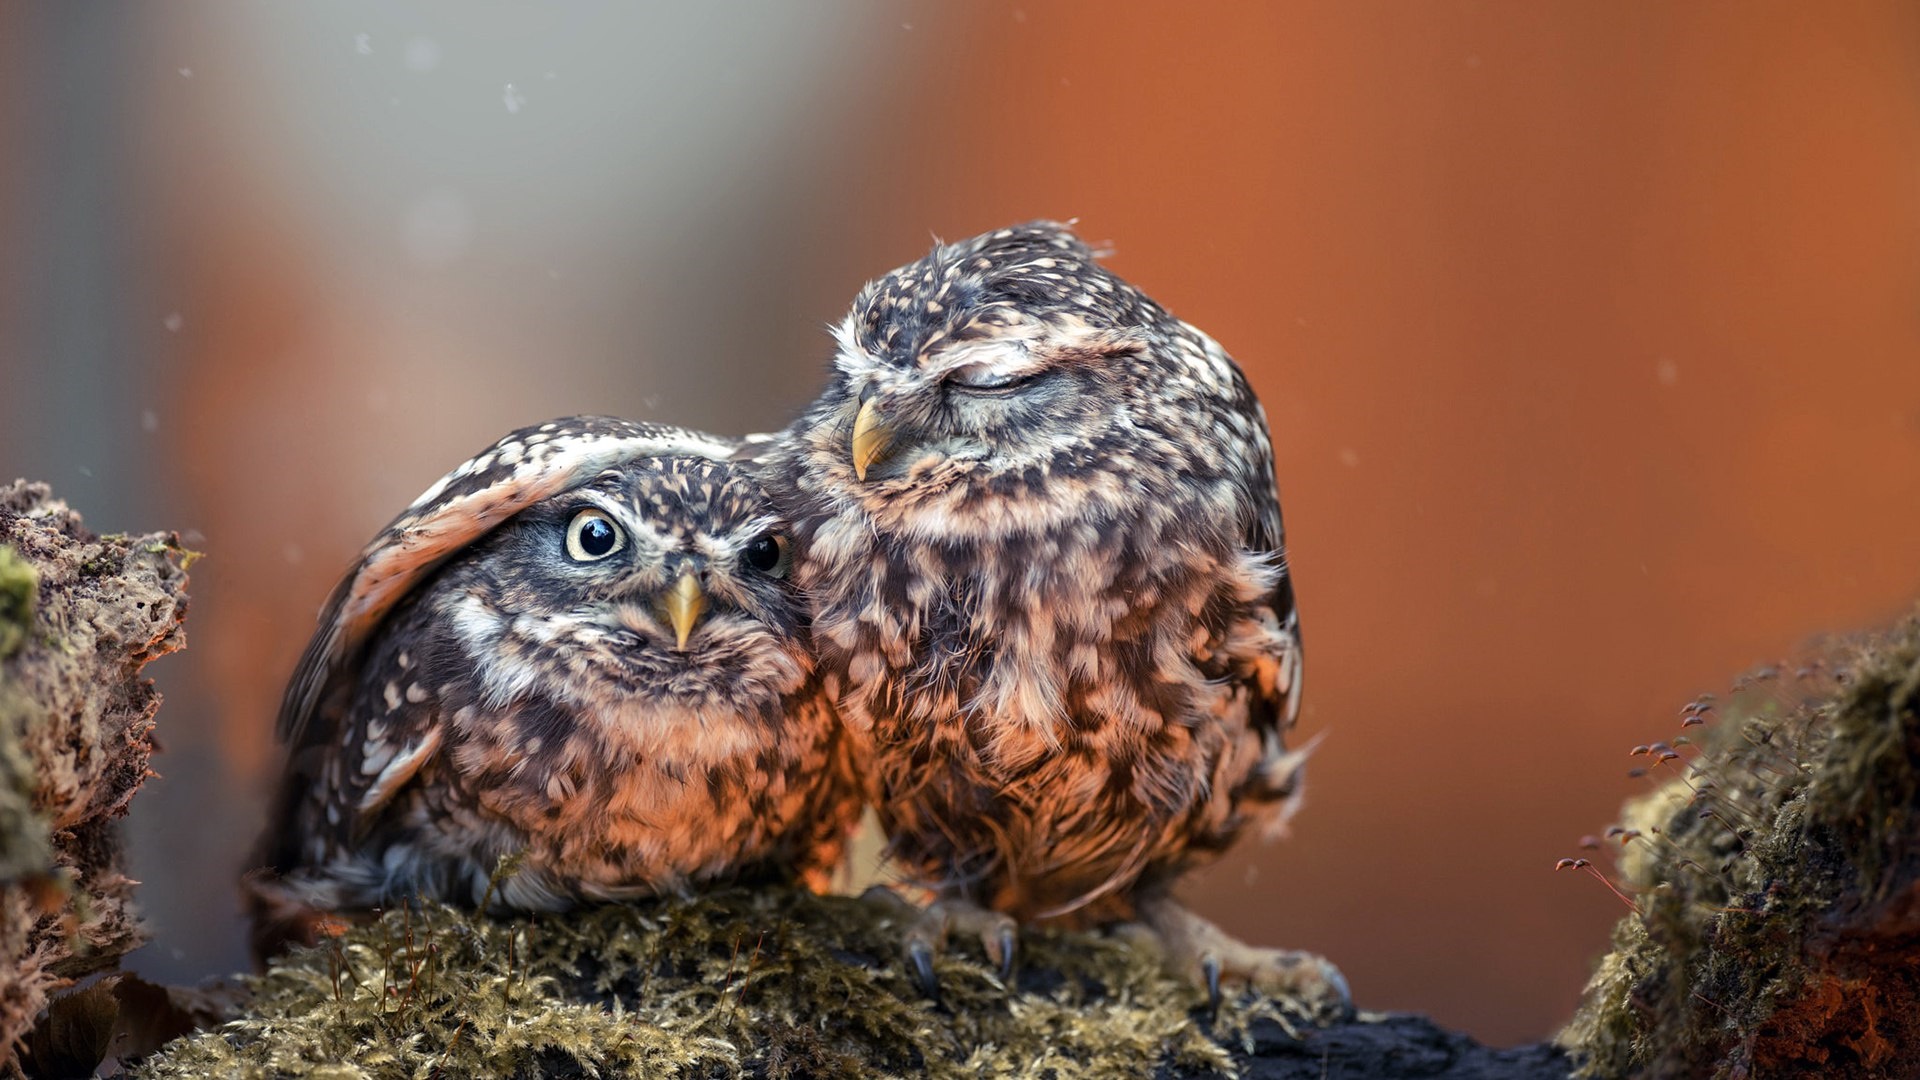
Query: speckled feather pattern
507	700
521	468
1057	616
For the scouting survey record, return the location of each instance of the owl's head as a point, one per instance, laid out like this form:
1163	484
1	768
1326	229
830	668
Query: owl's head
1010	383
659	582
634	541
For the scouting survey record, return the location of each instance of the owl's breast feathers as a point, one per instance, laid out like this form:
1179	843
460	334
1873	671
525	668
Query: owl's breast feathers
459	718
1062	713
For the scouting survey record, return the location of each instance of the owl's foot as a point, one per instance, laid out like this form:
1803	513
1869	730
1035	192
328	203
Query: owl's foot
928	929
1198	950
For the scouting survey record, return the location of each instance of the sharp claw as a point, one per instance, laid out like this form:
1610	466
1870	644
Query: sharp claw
1005	939
1210	971
921	956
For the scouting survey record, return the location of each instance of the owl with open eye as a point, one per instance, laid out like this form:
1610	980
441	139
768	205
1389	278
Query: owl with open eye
582	650
1042	540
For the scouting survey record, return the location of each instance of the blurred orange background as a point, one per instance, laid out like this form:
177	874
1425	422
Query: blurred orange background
1590	336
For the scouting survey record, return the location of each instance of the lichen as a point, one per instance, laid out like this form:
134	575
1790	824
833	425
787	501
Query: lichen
765	983
1776	876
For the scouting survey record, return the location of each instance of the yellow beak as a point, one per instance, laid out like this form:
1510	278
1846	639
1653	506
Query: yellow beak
871	437
683	605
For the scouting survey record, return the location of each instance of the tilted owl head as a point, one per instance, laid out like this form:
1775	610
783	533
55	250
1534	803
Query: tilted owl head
1011	382
592	557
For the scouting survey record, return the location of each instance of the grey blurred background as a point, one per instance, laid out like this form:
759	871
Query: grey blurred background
1587	332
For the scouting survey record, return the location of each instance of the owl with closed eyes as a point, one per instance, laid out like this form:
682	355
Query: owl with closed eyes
1042	540
582	649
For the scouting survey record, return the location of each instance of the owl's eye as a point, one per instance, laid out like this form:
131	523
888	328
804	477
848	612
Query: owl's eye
766	553
982	377
592	536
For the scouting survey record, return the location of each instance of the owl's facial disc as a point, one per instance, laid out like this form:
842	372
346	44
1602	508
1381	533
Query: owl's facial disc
968	410
683	560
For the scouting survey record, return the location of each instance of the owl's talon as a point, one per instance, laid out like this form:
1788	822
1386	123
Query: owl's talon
1193	946
920	955
928	930
1001	948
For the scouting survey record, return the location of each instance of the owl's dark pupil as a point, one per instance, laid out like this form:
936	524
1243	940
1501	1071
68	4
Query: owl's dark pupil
763	553
596	537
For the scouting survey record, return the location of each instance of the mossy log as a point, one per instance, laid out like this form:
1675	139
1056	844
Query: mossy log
775	983
80	616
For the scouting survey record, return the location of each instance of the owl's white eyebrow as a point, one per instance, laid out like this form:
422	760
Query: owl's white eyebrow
632	517
850	358
1010	357
753	529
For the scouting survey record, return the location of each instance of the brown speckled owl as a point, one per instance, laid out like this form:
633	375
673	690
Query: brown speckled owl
1042	539
582	648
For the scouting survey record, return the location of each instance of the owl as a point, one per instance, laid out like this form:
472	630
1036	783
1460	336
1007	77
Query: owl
1042	540
581	651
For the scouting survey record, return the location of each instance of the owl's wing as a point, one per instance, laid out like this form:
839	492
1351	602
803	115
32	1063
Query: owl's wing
1267	540
396	718
526	466
1263	646
366	741
758	448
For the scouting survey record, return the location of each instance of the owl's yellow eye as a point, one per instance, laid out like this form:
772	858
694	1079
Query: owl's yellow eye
592	536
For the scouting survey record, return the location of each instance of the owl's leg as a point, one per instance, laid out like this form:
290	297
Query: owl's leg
1196	949
928	929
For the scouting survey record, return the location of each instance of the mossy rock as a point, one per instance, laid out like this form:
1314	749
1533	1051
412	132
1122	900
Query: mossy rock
1777	881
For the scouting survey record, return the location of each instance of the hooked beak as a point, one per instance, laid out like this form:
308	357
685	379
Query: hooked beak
683	605
871	437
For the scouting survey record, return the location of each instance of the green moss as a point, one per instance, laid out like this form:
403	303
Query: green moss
24	848
19	586
1773	874
770	983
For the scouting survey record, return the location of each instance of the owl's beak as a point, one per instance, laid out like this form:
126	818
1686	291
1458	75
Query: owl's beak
871	437
683	605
